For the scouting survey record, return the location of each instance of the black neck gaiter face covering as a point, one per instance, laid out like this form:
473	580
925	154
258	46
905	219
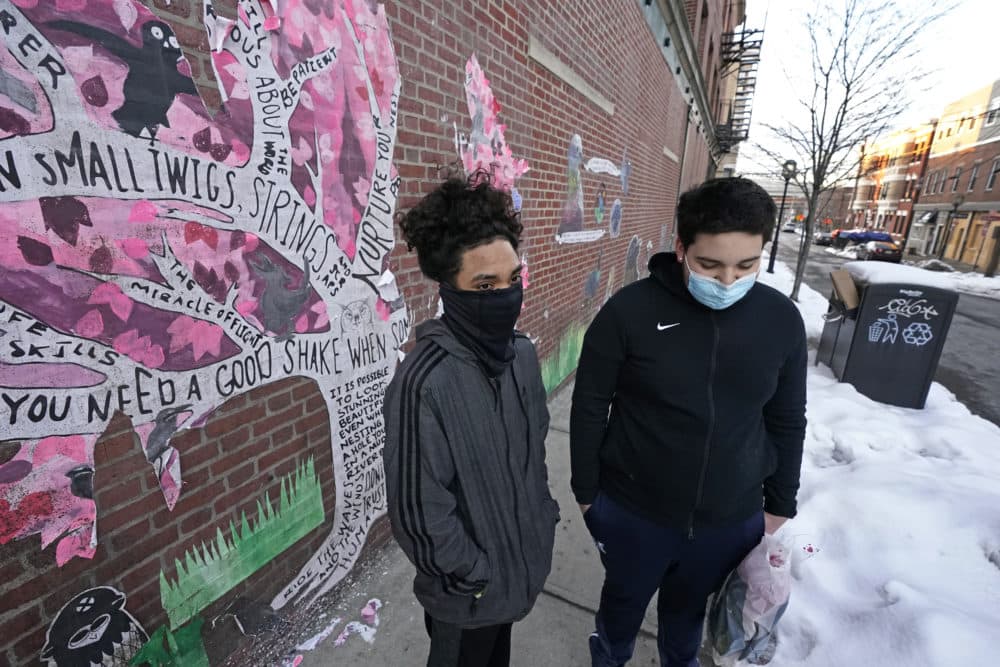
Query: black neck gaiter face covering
483	321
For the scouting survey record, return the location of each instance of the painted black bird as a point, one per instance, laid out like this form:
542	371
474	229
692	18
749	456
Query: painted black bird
158	442
279	303
81	481
152	81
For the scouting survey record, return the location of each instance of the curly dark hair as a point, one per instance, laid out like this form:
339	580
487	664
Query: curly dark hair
723	205
460	214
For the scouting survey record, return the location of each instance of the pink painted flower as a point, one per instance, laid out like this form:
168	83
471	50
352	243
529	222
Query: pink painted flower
111	294
139	348
134	248
90	325
203	337
143	211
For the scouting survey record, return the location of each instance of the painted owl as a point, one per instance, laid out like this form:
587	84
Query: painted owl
357	316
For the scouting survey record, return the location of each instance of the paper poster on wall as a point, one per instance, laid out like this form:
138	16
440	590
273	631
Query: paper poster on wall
571	224
163	260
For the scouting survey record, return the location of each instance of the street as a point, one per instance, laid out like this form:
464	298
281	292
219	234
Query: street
969	365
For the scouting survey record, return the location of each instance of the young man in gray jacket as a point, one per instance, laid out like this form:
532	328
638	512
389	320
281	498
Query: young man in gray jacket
466	421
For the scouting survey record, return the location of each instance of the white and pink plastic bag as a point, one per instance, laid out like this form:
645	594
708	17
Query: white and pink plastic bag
743	615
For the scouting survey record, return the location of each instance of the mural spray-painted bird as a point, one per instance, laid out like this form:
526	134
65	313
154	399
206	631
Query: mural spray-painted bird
158	442
279	303
153	80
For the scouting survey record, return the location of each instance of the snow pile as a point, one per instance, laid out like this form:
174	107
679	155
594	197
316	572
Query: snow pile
935	265
902	505
812	304
850	252
869	273
975	283
967	283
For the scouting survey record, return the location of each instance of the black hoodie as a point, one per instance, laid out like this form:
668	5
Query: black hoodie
707	408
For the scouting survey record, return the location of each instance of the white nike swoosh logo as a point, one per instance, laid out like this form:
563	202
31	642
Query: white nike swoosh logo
664	327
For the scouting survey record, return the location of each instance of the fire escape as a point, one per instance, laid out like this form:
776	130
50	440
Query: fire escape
740	55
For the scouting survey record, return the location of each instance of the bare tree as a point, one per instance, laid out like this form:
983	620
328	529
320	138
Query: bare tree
863	71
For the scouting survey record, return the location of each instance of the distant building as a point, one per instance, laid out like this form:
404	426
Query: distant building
959	208
888	179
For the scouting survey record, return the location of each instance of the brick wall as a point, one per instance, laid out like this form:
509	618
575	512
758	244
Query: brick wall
255	439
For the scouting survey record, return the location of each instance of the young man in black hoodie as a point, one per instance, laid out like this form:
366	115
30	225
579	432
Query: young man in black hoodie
466	422
688	422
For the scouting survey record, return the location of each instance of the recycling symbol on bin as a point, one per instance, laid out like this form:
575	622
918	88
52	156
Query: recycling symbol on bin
918	333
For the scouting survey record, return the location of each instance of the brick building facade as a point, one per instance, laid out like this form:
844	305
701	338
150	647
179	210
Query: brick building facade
959	208
935	185
616	103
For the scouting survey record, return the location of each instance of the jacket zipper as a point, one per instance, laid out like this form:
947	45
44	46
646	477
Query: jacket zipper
513	473
711	425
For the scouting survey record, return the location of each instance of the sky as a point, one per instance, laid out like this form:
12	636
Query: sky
960	51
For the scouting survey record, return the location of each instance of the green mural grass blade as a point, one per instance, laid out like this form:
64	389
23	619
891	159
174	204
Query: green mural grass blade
183	648
557	366
207	574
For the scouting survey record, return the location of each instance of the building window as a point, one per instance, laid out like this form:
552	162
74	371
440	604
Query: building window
958	175
993	113
972	177
993	174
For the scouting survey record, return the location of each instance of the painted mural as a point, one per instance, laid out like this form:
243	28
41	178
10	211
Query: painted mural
484	146
158	260
93	628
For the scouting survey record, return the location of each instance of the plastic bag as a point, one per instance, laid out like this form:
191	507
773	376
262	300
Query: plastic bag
742	617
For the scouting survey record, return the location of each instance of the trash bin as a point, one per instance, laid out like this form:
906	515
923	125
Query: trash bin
888	346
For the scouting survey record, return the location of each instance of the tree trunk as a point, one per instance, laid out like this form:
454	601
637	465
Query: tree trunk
800	267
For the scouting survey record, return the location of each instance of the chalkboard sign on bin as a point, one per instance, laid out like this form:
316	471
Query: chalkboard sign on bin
890	346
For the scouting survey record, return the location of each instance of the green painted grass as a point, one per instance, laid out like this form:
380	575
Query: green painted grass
209	572
168	649
557	366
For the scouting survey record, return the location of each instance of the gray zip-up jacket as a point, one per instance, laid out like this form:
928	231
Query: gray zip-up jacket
466	479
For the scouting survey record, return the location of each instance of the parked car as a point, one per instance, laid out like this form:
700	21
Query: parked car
823	238
883	251
789	227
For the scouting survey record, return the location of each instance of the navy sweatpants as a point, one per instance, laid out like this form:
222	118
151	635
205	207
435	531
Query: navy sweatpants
641	557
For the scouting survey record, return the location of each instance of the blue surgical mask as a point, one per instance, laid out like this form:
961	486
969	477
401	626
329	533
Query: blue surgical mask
714	294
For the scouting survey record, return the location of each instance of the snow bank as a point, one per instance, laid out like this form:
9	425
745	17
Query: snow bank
975	283
849	252
812	304
882	272
934	265
903	507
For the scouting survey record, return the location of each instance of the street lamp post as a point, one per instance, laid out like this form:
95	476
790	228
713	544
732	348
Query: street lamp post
788	171
955	204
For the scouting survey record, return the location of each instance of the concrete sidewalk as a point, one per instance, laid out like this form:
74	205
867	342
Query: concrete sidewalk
554	634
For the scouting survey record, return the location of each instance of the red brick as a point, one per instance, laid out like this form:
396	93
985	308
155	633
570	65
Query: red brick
30	647
241	475
305	390
25	620
284	417
279	402
230	421
113	497
178	8
193	38
125	538
196	521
